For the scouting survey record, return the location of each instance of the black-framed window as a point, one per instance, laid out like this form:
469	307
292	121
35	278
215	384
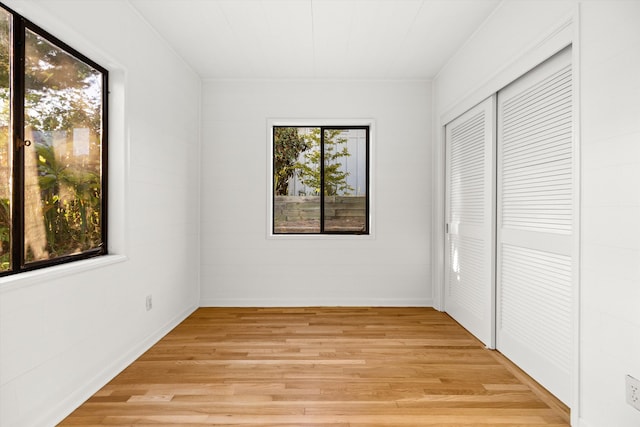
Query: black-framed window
53	149
320	180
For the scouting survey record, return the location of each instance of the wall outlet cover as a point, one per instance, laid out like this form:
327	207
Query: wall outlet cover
633	391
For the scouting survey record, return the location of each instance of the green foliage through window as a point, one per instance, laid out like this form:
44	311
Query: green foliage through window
52	145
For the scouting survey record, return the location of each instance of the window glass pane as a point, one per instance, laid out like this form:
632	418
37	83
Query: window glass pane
6	152
296	200
320	180
63	120
345	180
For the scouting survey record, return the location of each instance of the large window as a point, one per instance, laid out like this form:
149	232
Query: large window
320	180
52	149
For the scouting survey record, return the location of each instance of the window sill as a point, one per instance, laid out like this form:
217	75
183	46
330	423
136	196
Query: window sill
30	278
310	236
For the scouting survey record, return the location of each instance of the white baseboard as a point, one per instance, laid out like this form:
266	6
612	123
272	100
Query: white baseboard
74	400
315	302
582	423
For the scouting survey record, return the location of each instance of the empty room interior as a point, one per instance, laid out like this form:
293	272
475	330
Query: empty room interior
329	212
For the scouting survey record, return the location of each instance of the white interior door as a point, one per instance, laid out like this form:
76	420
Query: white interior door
535	223
470	207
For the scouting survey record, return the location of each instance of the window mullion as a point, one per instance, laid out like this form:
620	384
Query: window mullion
368	178
322	192
104	181
17	118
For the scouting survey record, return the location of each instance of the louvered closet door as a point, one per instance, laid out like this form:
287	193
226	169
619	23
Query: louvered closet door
470	152
535	223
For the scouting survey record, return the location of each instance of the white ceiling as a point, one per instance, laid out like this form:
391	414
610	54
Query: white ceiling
323	39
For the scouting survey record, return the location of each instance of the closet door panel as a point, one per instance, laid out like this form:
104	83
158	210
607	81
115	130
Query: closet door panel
469	288
535	223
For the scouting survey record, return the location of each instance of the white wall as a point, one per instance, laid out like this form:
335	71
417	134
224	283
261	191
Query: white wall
607	39
610	103
64	333
241	266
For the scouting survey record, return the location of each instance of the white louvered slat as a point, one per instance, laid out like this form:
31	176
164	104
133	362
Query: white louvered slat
466	285
542	281
535	223
536	139
467	168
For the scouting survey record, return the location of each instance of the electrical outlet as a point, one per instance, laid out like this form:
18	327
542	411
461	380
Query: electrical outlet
149	302
633	392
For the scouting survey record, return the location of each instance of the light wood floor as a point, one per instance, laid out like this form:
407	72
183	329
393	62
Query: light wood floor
320	367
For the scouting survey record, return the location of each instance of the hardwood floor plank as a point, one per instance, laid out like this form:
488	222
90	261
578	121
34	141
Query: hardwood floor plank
315	366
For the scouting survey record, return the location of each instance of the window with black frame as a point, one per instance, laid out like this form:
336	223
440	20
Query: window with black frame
53	149
320	180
